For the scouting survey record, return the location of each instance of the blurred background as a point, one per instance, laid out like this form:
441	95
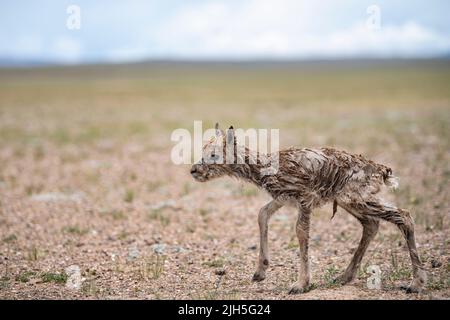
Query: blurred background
112	31
91	91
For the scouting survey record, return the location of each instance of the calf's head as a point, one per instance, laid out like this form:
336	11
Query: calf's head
216	158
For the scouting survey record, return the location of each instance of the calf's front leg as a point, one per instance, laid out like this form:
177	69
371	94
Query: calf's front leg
263	221
302	228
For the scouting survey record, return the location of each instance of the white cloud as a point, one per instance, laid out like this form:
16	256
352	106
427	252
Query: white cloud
406	40
239	29
288	28
25	46
66	49
128	54
62	49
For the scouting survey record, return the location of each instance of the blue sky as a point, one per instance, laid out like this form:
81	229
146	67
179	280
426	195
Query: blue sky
121	31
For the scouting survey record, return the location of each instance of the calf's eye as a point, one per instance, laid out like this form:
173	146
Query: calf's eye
213	157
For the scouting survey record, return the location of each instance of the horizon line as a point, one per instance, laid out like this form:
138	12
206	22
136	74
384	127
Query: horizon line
11	63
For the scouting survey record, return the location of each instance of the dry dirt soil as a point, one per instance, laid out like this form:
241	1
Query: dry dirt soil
86	178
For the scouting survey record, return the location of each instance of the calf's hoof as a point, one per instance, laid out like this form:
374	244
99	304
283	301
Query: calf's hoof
298	287
410	289
343	279
417	284
258	276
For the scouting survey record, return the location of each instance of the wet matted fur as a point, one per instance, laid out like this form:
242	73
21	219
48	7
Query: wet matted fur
306	179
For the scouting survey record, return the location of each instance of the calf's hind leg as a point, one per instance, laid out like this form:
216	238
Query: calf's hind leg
370	227
402	219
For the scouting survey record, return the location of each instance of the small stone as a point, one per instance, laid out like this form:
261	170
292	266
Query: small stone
133	253
253	247
220	272
162	248
58	197
178	249
164	204
159	248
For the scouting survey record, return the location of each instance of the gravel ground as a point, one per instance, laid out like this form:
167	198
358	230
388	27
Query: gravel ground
167	237
86	180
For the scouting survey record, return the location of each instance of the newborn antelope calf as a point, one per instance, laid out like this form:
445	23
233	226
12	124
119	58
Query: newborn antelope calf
306	179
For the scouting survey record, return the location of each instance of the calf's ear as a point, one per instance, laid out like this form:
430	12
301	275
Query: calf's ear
230	135
218	131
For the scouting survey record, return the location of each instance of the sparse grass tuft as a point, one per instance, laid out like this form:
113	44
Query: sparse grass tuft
187	188
54	277
116	214
123	235
158	215
153	185
362	271
33	254
293	244
190	228
4	282
10	238
76	230
209	295
330	276
89	287
397	271
402	273
25	276
152	267
204	212
438	283
216	263
129	196
312	286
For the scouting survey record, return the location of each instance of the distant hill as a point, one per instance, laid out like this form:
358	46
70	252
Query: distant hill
11	62
18	62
